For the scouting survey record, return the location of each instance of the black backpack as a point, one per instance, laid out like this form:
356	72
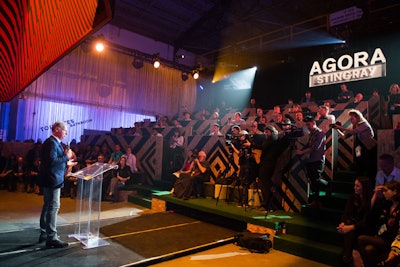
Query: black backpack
254	242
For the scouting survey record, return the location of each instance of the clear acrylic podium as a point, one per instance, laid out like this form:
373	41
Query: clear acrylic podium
88	205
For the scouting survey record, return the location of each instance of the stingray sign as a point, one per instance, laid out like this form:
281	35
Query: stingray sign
348	68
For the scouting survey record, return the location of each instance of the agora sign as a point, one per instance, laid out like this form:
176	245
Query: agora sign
347	68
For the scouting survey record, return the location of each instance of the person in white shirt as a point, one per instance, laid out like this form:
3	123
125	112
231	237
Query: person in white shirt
388	172
215	130
323	114
131	160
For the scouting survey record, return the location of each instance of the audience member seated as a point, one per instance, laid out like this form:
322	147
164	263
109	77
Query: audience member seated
278	118
388	172
106	177
175	153
186	116
120	131
32	175
155	132
162	122
252	103
299	116
259	114
6	170
262	123
19	174
237	119
358	98
186	166
202	115
123	175
190	184
92	157
289	105
323	114
215	130
354	220
393	106
254	129
307	98
130	160
214	116
115	155
385	216
176	123
345	95
104	151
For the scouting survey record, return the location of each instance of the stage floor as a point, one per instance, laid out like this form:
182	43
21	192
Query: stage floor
19	213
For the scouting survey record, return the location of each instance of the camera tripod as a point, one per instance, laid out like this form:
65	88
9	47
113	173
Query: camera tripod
226	181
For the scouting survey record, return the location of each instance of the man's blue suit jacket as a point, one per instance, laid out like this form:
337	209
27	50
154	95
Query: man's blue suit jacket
54	163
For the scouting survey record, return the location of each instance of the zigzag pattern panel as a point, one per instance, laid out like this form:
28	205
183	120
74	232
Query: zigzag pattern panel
289	192
34	34
375	111
148	150
166	132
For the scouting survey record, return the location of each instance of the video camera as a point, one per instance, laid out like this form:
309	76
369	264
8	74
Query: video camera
195	154
333	125
229	138
292	131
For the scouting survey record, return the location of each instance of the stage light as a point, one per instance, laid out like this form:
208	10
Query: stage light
182	56
185	76
99	44
137	62
156	60
195	74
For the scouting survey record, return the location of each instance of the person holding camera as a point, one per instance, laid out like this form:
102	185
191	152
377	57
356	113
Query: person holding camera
269	155
248	166
314	165
190	183
364	144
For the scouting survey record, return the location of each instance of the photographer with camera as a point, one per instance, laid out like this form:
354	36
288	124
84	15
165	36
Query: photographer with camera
190	183
269	155
248	166
314	165
365	145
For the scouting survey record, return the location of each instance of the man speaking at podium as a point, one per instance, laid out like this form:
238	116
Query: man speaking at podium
52	170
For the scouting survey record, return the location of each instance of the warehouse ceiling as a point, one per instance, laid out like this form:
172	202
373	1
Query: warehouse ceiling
211	28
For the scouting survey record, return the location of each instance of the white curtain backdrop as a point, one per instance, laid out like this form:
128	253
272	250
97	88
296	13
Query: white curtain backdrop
95	91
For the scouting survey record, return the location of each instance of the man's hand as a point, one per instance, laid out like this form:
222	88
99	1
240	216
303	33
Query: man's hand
71	163
69	153
391	256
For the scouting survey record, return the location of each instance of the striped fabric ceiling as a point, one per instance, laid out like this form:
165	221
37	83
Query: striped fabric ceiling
34	34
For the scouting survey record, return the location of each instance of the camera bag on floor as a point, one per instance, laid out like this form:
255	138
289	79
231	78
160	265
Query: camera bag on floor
254	242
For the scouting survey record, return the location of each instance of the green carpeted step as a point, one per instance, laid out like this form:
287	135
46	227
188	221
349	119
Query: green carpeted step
321	252
325	214
140	200
163	185
314	229
336	201
339	186
345	175
144	190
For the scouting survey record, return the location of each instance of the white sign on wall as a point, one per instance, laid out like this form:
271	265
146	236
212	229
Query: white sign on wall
348	68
